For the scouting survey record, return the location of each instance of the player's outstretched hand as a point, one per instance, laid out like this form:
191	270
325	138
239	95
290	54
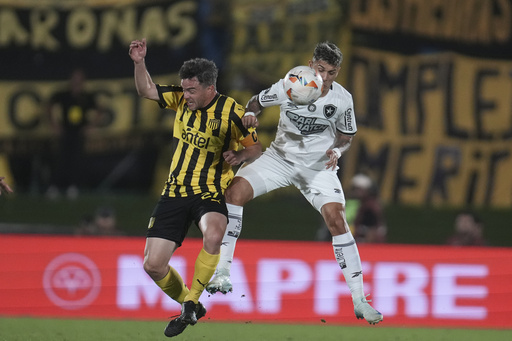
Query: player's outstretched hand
138	50
333	159
3	186
232	157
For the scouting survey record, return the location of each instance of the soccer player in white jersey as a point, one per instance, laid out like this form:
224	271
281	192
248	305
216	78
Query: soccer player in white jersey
309	141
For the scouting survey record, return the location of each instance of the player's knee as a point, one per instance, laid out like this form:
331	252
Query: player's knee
239	192
212	239
154	270
212	243
232	197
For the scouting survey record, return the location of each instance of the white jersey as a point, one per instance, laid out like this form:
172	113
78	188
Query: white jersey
306	132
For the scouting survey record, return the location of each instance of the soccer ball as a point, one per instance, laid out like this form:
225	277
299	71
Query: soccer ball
303	85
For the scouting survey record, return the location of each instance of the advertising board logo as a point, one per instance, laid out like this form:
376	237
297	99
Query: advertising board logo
72	281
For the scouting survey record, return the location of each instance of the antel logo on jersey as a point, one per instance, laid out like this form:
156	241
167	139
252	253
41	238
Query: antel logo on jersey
72	281
195	139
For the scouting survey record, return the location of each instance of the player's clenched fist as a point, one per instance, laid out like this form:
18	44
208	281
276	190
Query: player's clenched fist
138	50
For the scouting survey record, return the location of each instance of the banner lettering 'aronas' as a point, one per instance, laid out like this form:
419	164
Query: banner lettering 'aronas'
274	281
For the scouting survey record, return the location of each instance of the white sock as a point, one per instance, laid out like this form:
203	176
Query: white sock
347	256
233	230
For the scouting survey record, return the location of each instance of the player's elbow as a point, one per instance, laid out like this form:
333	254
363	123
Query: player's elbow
148	92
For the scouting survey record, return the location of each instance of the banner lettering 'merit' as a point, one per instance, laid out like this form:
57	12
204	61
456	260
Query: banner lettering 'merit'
433	129
292	282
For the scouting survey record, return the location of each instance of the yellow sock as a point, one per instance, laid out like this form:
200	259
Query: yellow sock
172	284
203	272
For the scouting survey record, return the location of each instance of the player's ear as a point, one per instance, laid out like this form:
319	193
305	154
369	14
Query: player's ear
310	64
209	88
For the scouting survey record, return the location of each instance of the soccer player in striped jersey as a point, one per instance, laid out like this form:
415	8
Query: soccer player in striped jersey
309	141
208	132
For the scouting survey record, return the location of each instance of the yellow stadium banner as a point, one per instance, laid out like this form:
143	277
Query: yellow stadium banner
270	37
472	22
128	145
23	103
66	4
46	41
434	129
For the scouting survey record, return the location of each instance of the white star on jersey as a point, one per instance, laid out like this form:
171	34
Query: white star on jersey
303	136
330	111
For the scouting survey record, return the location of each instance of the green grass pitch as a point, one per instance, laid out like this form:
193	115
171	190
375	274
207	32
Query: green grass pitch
30	329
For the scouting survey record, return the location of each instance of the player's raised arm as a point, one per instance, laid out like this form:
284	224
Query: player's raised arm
143	82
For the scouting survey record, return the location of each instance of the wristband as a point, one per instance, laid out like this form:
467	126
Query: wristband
250	113
337	151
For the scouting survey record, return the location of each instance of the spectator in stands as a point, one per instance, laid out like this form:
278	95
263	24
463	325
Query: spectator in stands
364	212
468	230
105	220
4	186
85	226
369	222
102	223
72	113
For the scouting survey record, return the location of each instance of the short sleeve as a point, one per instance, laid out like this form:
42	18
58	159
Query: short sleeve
170	96
274	95
346	123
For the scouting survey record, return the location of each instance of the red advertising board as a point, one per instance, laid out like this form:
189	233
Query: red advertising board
274	281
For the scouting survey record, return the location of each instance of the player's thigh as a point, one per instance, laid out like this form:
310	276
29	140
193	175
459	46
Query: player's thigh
239	192
207	202
211	216
320	187
266	174
170	219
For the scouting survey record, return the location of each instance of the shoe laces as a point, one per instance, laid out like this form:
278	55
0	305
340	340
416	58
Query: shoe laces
173	317
365	300
222	272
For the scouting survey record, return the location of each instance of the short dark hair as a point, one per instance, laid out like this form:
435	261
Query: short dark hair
328	52
205	70
476	218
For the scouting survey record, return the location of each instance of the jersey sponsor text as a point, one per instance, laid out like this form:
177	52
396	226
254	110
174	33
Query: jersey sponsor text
195	139
307	125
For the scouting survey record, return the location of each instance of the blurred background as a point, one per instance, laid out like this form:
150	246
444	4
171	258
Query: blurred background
431	82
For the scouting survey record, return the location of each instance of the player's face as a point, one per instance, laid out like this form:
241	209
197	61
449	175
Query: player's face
196	94
326	71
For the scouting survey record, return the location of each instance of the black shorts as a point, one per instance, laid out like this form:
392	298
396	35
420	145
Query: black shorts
172	216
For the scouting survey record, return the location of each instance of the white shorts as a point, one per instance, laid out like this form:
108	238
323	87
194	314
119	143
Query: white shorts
270	172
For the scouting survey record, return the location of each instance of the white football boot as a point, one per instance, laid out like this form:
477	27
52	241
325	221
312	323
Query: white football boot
220	282
364	310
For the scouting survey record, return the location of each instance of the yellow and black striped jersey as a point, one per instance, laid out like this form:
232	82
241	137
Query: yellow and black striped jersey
199	138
